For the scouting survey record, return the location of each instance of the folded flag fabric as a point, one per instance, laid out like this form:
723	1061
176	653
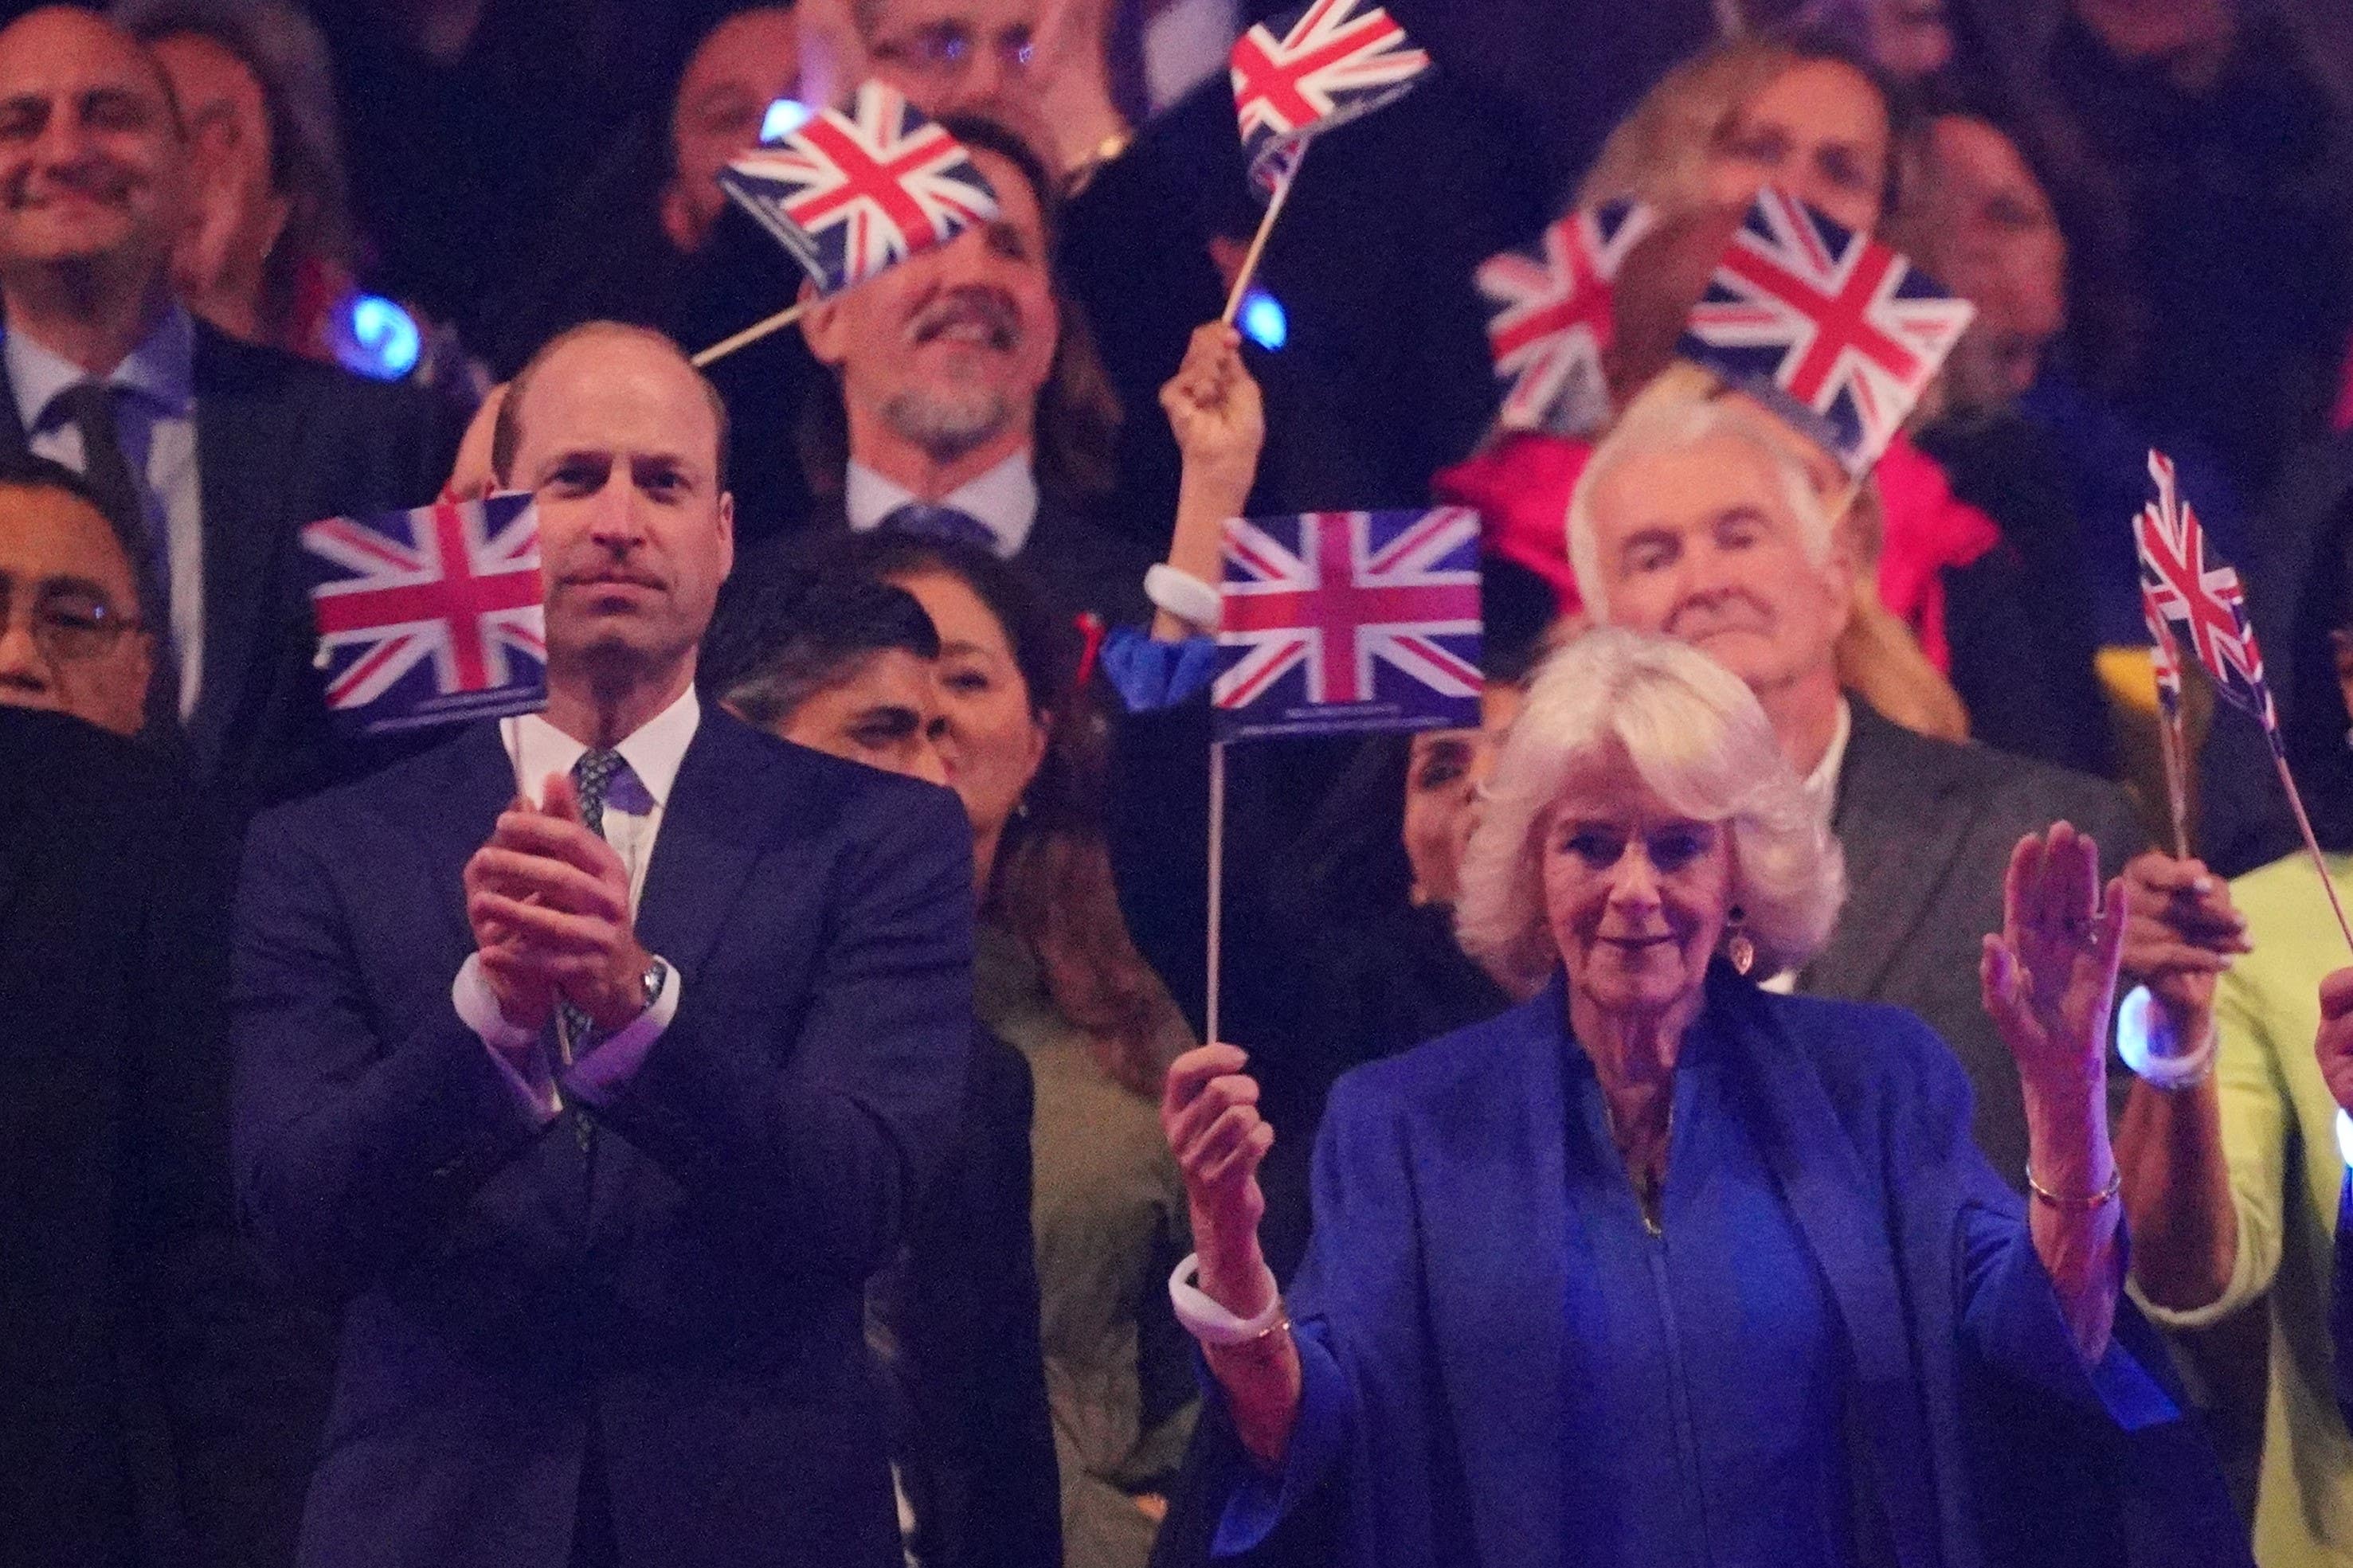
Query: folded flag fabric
1350	621
2197	597
1840	333
430	617
852	195
1550	318
1312	69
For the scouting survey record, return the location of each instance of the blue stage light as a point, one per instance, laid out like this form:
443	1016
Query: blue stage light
384	342
785	116
1263	322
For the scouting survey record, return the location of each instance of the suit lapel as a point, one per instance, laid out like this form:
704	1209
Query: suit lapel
465	801
1843	1215
713	828
1491	1169
1899	827
246	444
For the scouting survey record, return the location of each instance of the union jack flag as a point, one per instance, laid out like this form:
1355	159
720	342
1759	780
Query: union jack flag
1350	621
850	194
1834	329
1312	70
1551	321
429	616
2197	597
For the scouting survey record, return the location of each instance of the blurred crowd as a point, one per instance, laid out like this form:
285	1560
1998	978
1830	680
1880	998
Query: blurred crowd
269	261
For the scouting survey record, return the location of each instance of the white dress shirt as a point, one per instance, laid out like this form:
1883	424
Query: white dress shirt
1821	787
1003	501
155	416
634	805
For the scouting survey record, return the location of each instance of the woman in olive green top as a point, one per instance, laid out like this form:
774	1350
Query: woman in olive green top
1056	977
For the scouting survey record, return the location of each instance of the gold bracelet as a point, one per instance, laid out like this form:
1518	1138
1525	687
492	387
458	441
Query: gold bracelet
2098	1200
1251	1346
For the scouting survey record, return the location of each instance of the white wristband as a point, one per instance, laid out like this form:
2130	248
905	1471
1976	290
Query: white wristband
2137	1026
1185	597
1211	1323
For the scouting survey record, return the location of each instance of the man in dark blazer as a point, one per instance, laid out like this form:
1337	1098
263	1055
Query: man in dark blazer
156	1411
964	407
1701	523
218	450
594	1060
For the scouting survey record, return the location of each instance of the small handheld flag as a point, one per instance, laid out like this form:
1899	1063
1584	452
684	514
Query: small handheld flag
1312	69
2197	601
429	616
2173	743
1836	330
850	194
1551	319
1350	621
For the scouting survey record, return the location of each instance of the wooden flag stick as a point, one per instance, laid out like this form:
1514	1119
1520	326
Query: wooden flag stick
1258	243
750	334
1217	881
2311	844
2173	746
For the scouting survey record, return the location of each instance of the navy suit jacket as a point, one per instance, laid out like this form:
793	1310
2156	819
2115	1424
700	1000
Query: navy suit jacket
689	1286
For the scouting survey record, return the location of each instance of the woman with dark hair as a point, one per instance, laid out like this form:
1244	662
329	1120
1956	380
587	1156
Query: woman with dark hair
1057	976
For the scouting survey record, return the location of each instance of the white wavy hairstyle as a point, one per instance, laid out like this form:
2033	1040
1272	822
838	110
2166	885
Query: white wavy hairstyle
1696	736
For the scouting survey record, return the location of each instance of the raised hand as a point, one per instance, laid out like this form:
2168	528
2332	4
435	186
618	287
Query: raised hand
2049	977
1208	1111
1214	411
549	902
2181	933
2334	1044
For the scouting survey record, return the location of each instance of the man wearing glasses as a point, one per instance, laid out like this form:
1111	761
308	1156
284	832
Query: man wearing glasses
72	638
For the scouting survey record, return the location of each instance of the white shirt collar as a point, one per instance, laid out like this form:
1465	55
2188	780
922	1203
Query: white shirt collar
161	369
653	749
1004	499
1821	784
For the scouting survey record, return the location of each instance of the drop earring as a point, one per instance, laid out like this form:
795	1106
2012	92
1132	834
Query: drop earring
1737	947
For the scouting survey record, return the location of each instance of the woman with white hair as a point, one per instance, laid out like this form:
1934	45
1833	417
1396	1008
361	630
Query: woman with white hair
1659	1267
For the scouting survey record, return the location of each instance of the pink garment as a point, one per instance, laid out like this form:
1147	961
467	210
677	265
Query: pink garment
1521	487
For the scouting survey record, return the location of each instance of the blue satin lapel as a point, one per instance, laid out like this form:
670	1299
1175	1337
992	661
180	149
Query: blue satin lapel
1494	1212
1842	1210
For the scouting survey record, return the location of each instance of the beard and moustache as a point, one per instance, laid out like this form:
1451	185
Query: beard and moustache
955	416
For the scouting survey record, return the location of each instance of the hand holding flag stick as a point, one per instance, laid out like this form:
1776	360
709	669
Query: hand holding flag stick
2198	601
850	194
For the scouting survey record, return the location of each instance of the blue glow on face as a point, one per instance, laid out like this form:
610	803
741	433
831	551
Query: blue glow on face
785	116
1262	319
384	337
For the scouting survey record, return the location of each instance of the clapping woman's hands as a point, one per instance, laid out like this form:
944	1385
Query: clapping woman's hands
1208	1111
2049	977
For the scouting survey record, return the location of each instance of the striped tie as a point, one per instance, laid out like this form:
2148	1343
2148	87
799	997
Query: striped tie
591	775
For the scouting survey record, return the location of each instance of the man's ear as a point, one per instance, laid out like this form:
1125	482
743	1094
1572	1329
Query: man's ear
822	327
727	533
678	222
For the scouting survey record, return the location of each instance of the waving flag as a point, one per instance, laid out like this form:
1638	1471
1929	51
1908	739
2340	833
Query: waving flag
1350	621
850	194
1834	329
1551	320
2197	597
429	616
1311	71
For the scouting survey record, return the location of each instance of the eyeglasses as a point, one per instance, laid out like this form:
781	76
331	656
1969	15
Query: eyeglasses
70	620
948	49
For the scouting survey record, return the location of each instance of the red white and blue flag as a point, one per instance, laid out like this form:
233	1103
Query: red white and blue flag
1838	331
1550	320
2198	598
1313	68
1350	621
852	195
430	617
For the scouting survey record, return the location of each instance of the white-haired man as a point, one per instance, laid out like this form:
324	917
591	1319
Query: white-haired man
1699	520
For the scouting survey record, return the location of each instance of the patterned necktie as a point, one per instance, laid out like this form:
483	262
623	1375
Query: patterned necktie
924	521
591	775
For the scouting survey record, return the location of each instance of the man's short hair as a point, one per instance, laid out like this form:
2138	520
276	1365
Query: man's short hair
24	471
785	633
506	431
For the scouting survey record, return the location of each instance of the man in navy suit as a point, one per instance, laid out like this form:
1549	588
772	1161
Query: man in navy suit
595	1113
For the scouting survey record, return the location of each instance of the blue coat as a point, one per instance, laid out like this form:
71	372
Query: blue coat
691	1289
1430	1321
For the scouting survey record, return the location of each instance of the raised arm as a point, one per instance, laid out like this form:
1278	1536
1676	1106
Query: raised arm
2180	934
1215	412
1209	1112
2050	980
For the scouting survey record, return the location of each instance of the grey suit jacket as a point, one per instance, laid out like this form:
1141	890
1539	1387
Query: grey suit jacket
1928	827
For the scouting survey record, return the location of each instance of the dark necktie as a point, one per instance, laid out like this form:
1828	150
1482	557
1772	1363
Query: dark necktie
89	406
924	521
591	775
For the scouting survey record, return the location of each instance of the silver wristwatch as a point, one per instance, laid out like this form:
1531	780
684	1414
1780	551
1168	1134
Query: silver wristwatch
650	983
